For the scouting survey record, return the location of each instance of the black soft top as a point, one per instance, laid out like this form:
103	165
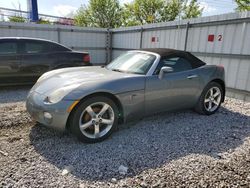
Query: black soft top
163	52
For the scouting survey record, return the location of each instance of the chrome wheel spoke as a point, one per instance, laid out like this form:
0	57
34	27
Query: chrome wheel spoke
216	94
86	125
104	109
209	105
211	92
90	111
207	100
216	103
107	121
97	130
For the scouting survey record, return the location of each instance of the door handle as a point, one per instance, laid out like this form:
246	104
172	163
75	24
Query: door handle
192	76
132	97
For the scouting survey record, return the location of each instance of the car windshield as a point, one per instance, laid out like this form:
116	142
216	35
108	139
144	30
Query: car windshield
132	62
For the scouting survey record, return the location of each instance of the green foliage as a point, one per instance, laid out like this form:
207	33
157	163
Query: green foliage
191	10
42	21
146	11
110	14
16	19
128	19
172	10
22	20
154	11
243	5
99	13
81	17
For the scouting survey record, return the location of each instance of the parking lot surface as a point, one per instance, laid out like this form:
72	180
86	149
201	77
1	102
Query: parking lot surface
182	149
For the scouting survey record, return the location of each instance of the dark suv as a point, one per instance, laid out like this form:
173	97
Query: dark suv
24	60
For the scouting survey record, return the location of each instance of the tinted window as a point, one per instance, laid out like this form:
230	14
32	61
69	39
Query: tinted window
34	47
8	48
57	48
177	63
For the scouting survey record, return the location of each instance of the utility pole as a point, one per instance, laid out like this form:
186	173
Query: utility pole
33	10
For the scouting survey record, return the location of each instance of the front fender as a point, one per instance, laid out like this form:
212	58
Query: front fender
114	87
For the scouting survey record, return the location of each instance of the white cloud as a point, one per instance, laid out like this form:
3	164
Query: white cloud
207	8
63	10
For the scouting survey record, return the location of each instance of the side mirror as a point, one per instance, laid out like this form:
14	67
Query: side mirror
165	70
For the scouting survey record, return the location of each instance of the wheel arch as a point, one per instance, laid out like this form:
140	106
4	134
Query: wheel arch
105	94
222	83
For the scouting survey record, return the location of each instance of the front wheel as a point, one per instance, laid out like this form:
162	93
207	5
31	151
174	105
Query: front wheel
210	99
94	119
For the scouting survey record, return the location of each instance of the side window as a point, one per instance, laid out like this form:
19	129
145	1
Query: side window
177	63
8	48
34	47
57	48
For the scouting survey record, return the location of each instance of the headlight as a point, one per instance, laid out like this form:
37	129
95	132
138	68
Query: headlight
58	94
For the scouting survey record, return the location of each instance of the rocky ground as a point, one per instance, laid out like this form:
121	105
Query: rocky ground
181	149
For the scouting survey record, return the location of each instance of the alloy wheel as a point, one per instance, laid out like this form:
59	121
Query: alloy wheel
212	99
96	120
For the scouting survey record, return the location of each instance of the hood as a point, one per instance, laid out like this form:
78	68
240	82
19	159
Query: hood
56	79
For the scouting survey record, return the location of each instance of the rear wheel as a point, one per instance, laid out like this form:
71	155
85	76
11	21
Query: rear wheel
94	119
210	99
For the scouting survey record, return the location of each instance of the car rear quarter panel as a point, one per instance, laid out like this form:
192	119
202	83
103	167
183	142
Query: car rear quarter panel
209	73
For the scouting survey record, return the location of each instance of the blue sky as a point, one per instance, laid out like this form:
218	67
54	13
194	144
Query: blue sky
64	7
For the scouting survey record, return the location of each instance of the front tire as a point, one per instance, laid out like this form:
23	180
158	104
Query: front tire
94	120
210	99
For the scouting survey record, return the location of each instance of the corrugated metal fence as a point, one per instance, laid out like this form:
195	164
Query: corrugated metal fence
221	40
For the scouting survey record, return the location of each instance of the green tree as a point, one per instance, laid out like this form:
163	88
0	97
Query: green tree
191	10
109	13
16	19
146	11
128	19
243	5
81	17
172	10
154	11
99	13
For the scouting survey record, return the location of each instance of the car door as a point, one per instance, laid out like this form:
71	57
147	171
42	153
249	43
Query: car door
9	62
175	90
35	59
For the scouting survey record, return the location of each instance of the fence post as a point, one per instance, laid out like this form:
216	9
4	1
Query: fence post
186	37
141	37
108	46
58	35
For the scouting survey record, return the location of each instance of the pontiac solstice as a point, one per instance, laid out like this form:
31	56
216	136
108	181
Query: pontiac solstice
92	101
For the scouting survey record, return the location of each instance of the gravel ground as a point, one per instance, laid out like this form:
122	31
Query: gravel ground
181	149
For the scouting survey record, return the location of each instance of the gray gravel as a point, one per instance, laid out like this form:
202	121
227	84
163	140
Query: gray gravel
180	149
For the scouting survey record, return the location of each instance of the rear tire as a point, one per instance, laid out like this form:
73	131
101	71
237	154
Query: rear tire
94	120
210	99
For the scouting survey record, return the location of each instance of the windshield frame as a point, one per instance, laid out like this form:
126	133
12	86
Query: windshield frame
153	66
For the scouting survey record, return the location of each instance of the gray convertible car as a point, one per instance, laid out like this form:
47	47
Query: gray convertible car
92	101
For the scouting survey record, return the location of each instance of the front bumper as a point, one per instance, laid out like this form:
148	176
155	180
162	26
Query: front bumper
41	112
